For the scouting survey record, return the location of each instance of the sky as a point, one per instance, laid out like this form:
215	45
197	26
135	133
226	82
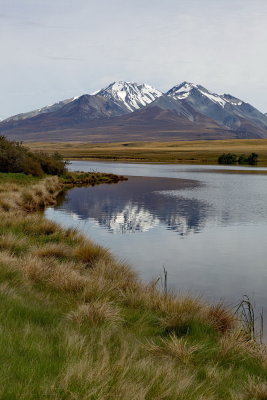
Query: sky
51	50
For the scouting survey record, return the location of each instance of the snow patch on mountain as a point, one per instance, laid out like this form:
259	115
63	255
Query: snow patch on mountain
132	95
183	90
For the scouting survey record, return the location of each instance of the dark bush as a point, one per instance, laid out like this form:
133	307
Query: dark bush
242	159
253	158
14	157
227	158
231	158
51	164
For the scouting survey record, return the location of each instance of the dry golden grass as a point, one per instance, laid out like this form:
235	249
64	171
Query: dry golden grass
36	225
235	345
57	250
222	319
192	152
176	312
122	374
255	390
63	277
175	347
11	242
8	260
89	253
96	312
40	195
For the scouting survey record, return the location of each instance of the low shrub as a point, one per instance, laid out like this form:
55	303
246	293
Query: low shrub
231	158
14	157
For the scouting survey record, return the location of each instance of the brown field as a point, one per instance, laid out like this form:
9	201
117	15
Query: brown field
190	152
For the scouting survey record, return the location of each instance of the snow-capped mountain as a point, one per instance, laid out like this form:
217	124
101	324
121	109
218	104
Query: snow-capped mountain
186	89
119	98
131	95
226	109
131	111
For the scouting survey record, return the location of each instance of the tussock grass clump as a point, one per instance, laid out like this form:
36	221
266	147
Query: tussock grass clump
63	277
110	279
7	258
178	348
235	345
53	250
255	390
222	319
96	312
89	253
36	225
11	242
40	195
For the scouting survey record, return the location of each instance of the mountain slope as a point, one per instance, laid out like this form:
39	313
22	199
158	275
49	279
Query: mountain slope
131	111
163	119
43	110
226	109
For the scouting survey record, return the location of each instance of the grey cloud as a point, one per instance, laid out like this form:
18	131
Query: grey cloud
58	46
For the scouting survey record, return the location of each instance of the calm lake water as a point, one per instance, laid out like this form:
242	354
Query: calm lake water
207	225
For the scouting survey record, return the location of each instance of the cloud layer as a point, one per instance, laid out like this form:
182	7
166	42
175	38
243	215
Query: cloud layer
57	49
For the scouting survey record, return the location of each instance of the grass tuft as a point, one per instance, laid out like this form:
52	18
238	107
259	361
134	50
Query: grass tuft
175	347
96	312
89	253
49	271
255	390
222	319
53	250
11	242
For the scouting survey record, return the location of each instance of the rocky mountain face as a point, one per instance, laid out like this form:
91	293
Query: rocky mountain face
225	109
43	110
129	111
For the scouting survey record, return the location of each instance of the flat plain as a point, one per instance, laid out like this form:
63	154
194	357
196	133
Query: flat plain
187	152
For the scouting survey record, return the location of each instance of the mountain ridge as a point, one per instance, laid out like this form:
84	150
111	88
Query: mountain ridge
133	111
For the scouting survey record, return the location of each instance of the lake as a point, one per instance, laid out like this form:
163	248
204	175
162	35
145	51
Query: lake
207	225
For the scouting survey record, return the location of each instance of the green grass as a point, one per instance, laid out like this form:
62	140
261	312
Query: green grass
19	179
74	325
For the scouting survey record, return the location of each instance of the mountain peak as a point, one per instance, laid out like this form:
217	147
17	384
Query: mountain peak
185	89
131	94
182	90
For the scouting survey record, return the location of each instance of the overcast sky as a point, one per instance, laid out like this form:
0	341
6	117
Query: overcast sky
55	49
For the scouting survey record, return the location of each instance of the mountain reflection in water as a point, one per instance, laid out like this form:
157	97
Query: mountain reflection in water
138	205
207	229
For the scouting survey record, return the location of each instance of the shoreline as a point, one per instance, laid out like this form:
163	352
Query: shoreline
73	297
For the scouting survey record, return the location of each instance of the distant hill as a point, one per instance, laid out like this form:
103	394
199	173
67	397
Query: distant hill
131	111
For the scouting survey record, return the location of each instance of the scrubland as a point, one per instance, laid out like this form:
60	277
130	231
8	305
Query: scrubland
77	323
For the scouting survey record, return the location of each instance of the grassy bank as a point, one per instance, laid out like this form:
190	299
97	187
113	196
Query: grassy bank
78	324
189	152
